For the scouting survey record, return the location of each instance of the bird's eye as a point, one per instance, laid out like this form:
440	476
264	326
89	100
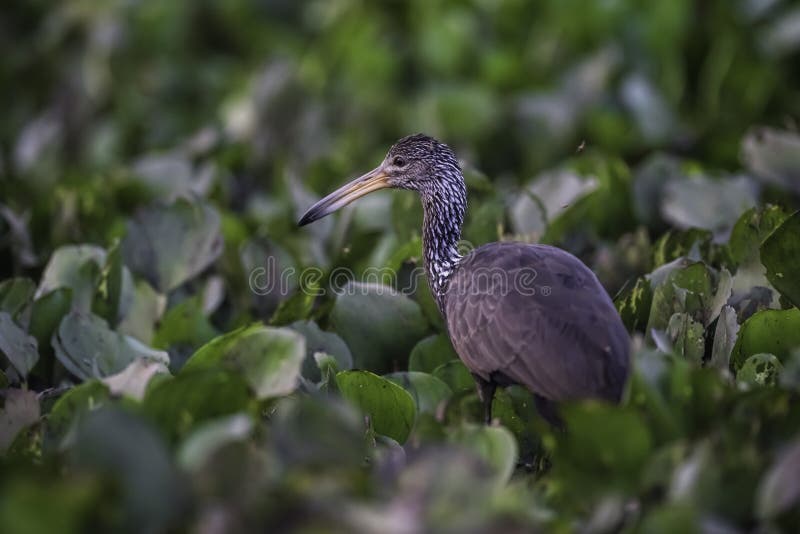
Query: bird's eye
399	162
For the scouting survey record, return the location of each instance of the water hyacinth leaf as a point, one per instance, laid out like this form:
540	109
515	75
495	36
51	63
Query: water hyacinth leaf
132	381
750	231
456	375
320	341
693	244
389	407
773	156
46	314
430	353
379	325
774	332
268	358
687	337
185	323
493	444
634	305
16	294
77	267
760	370
427	391
20	410
318	432
779	489
606	211
700	202
684	290
115	443
593	449
72	405
115	291
19	348
177	404
69	502
145	311
169	245
170	175
201	444
88	348
546	198
780	253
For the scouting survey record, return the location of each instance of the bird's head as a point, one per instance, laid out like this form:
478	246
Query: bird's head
417	162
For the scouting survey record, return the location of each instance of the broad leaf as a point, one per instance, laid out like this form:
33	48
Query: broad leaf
268	358
380	326
88	348
780	254
389	407
18	347
169	245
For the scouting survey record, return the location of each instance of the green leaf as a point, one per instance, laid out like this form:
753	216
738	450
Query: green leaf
16	294
319	341
115	290
760	370
494	444
753	227
456	375
146	309
634	305
389	407
20	410
46	314
592	450
69	502
687	337
18	347
780	254
180	403
268	358
379	325
169	245
771	331
430	353
684	290
72	405
427	391
77	267
209	437
126	449
88	348
185	323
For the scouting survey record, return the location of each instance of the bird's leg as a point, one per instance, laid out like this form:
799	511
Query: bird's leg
486	395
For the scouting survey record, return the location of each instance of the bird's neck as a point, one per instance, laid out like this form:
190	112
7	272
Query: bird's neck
441	233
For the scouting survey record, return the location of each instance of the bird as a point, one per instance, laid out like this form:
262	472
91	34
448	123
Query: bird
516	313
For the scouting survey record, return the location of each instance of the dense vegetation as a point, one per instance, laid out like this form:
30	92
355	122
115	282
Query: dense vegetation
170	363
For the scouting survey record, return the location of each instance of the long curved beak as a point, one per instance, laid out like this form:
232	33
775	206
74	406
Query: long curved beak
372	181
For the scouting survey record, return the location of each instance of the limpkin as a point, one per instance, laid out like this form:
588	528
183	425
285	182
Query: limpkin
516	313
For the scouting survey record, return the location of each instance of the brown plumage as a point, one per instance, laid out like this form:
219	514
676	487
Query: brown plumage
516	313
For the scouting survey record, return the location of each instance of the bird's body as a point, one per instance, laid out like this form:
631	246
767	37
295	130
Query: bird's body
516	313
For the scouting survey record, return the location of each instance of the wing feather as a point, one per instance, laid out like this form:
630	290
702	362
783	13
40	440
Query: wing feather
538	315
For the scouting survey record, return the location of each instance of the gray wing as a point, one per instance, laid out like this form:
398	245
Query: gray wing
540	317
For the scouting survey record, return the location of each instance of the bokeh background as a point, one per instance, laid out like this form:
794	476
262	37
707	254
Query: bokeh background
154	155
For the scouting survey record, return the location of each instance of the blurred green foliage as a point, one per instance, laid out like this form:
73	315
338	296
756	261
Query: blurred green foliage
154	157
